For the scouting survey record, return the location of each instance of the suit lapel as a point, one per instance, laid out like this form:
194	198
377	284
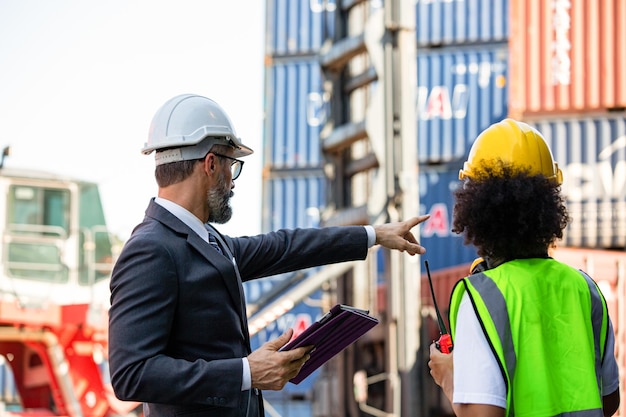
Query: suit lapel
225	265
226	268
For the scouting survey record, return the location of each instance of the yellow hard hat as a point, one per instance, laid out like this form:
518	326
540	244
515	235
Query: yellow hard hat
514	143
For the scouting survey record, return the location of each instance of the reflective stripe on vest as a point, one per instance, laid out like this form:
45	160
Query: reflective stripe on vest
496	306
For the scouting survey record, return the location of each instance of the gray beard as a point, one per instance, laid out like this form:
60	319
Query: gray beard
218	200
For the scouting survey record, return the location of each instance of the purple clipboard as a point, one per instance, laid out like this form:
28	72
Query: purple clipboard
331	334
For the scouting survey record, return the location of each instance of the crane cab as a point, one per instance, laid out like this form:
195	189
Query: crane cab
55	247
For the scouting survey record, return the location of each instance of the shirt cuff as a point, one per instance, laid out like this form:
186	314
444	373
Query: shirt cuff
371	235
246	380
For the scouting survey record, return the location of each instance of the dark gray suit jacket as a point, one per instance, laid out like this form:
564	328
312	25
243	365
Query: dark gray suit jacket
177	325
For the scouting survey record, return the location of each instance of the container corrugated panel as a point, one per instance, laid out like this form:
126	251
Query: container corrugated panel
291	202
296	112
567	56
294	201
447	22
460	92
591	152
443	281
286	404
297	27
298	318
444	248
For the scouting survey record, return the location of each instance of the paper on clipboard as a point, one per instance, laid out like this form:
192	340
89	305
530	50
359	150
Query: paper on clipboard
331	334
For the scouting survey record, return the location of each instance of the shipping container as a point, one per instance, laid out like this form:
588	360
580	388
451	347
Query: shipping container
591	152
567	56
285	404
444	248
298	318
608	269
443	281
461	91
296	111
290	201
449	22
298	27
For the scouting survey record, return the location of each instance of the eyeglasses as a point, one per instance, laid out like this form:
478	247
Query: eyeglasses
235	166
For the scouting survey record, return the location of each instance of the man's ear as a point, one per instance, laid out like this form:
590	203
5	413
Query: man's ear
209	163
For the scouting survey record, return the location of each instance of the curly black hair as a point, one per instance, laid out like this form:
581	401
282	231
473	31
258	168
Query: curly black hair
506	213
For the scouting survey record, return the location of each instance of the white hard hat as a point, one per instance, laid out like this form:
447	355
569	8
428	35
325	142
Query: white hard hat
187	126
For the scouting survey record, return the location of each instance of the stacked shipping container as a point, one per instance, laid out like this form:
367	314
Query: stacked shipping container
294	185
567	79
556	64
462	81
564	75
462	76
568	56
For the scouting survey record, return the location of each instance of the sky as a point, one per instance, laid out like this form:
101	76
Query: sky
81	79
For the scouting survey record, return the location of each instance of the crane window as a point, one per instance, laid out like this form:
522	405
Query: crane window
39	210
38	226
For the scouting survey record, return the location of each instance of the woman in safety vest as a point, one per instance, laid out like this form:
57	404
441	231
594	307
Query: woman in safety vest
532	336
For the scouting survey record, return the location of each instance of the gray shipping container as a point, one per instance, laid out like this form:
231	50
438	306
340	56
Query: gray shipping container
591	152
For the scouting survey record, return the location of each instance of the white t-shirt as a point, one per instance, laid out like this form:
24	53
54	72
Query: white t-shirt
477	376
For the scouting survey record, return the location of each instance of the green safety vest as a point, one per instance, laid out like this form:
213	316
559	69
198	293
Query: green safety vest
547	325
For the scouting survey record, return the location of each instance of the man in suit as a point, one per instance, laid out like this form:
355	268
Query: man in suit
178	334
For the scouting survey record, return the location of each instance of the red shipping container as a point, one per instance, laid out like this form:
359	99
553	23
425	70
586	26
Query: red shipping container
567	56
608	269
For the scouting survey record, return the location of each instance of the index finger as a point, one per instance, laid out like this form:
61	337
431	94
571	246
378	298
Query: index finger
414	221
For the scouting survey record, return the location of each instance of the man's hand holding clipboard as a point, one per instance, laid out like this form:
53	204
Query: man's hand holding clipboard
331	334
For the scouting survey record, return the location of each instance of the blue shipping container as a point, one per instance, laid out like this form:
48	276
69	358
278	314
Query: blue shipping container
449	22
298	318
460	92
297	27
296	112
591	152
444	249
290	201
293	201
284	404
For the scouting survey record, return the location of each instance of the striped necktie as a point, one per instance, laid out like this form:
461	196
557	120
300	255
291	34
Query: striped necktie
214	244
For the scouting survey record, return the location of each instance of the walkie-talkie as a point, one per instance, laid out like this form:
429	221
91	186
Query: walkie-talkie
444	344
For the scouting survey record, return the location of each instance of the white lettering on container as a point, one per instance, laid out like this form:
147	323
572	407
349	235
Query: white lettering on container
561	46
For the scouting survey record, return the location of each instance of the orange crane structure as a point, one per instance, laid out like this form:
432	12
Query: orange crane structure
57	355
56	256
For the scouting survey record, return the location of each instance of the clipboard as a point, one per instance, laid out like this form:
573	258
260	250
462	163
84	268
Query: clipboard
331	334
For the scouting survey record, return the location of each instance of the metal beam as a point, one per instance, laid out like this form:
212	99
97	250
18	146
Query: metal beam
344	136
294	295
